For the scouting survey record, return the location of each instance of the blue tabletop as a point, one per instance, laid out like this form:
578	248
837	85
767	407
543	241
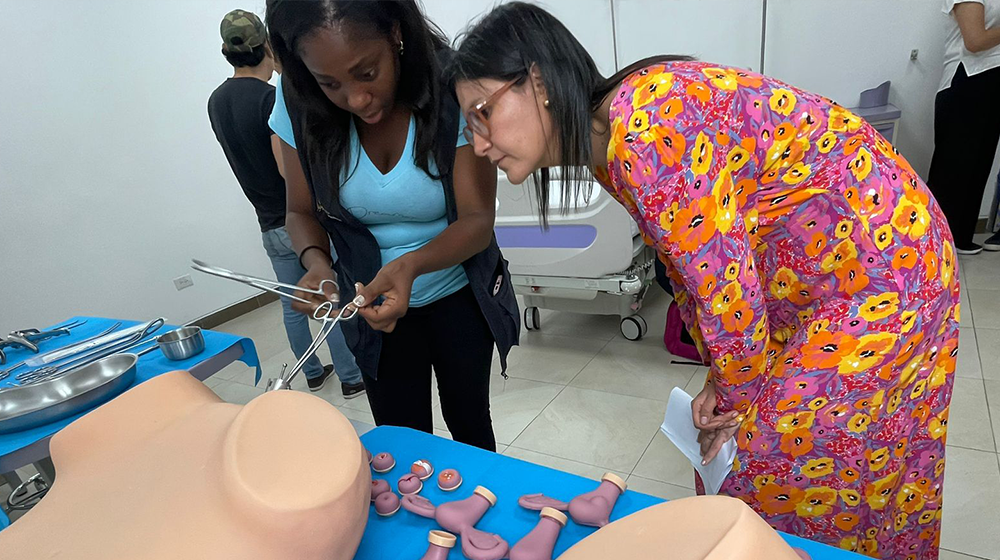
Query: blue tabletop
149	366
404	535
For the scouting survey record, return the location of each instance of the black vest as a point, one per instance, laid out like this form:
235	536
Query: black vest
358	252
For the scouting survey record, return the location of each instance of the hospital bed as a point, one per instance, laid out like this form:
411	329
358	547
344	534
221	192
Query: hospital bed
591	259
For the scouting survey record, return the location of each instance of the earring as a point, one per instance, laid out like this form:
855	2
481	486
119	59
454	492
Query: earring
400	47
546	103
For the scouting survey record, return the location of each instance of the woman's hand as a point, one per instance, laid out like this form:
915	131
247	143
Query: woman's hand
394	283
312	280
715	429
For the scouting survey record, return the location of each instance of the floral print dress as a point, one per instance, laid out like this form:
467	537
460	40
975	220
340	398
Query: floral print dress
818	275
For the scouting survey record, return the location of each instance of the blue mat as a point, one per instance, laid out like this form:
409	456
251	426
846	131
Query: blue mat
404	535
149	366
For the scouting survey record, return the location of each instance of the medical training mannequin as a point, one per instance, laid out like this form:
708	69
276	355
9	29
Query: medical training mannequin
713	528
168	470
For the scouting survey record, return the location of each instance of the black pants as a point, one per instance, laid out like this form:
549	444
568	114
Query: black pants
966	131
452	336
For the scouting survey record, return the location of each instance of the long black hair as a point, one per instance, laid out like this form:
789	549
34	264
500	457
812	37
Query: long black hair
506	43
290	21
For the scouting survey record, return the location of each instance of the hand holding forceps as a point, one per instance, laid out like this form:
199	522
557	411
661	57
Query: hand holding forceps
327	312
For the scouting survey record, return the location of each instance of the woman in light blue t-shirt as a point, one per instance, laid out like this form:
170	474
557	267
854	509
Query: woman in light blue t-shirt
366	122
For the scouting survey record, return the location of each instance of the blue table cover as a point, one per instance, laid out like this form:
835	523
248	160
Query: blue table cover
149	366
404	535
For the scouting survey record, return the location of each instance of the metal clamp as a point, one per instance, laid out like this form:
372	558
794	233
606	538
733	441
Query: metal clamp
21	499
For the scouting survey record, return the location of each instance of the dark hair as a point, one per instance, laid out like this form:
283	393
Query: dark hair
290	21
246	59
506	43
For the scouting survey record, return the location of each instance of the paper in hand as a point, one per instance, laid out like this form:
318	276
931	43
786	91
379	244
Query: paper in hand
678	426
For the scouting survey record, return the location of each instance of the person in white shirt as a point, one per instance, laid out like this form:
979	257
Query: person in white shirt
967	118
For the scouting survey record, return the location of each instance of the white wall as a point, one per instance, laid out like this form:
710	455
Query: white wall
840	52
588	20
723	31
110	177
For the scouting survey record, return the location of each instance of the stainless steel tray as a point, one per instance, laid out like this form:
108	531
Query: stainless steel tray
22	408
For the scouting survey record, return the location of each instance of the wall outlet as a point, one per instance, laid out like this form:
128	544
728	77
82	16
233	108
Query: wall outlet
182	282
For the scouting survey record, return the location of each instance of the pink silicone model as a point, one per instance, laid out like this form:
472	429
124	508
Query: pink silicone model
460	517
440	544
383	463
387	504
592	509
449	480
539	543
422	468
409	484
379	487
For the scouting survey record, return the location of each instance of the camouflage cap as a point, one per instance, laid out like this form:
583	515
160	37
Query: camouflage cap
242	31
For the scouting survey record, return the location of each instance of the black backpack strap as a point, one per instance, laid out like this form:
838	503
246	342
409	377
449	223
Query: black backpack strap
447	133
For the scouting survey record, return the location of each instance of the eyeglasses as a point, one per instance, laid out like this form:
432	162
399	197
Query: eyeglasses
476	119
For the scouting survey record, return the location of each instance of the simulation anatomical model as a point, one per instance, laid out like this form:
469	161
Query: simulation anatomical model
460	517
592	509
699	528
541	541
167	470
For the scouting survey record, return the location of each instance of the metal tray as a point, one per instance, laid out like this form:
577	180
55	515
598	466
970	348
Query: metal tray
22	408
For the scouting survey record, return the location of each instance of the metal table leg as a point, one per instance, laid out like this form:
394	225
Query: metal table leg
47	469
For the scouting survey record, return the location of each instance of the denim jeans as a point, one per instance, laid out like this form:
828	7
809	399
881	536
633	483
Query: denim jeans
288	270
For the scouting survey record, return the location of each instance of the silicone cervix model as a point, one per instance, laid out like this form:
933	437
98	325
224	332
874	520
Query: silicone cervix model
540	542
459	517
699	528
167	470
592	509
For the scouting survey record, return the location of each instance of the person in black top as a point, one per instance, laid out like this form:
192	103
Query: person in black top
238	110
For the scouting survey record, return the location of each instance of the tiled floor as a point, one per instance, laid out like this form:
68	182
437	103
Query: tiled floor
581	398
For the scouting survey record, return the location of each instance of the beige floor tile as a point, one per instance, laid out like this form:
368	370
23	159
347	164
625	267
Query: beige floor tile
602	429
551	359
985	308
658	489
967	364
993	399
697	382
357	415
576	325
236	393
514	403
979	272
950	555
971	494
663	462
362	427
443	433
969	419
573	467
627	368
264	326
966	312
988	341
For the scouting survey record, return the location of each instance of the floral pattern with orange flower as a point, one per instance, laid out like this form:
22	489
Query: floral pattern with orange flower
816	273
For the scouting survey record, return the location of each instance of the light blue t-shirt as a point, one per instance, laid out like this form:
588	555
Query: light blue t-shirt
404	208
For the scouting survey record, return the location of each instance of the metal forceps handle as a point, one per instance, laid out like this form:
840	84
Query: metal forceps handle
265	284
325	313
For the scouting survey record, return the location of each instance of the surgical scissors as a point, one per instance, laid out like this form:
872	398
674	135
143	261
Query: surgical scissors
269	285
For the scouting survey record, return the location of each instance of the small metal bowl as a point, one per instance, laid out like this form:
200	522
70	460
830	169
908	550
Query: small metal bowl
182	343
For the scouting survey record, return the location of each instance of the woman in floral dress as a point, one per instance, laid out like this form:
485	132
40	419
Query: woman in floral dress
811	263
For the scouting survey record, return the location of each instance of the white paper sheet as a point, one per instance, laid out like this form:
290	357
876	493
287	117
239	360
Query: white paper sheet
678	426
